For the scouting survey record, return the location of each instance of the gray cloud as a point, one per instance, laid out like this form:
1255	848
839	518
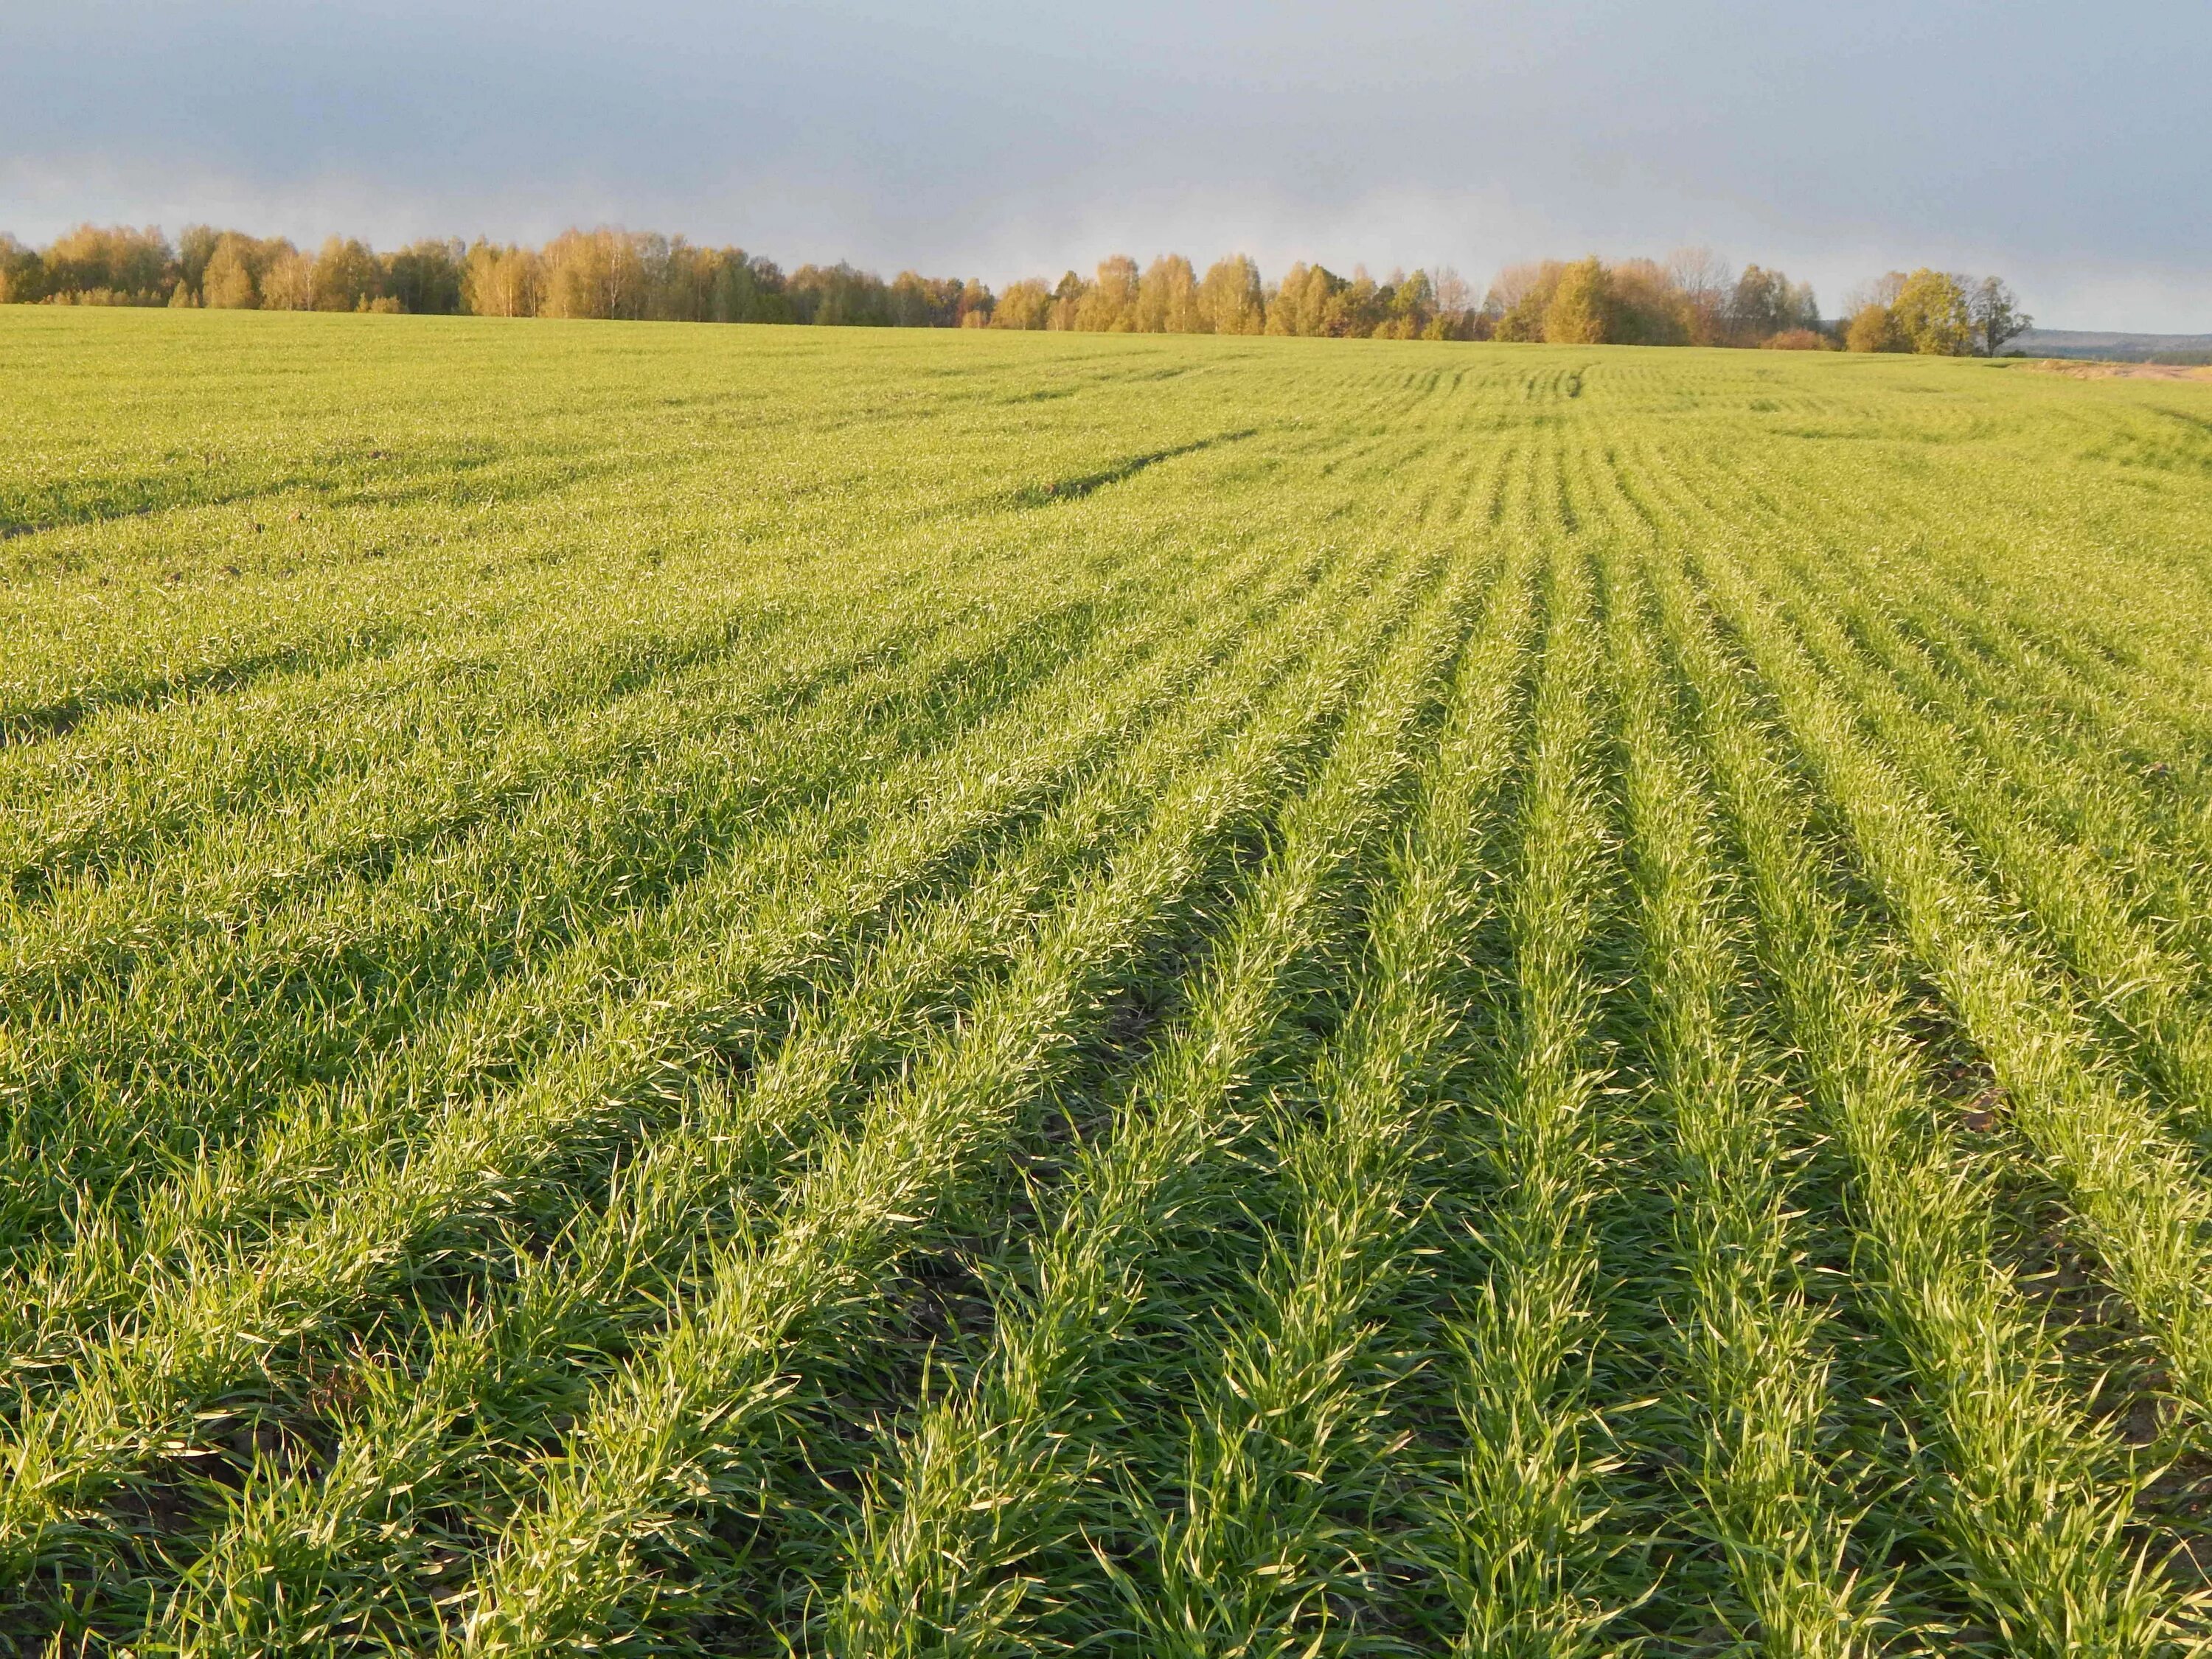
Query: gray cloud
2065	147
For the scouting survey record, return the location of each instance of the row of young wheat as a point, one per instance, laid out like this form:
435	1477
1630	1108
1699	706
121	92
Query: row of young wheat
1478	1045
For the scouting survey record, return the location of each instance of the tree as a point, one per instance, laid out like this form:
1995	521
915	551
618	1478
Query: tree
1067	298
1755	306
1026	304
228	282
22	273
1453	294
425	277
919	301
839	296
1519	297
1931	313
1301	305
747	289
1581	311
195	248
1109	306
1167	297
1994	310
1704	282
288	283
976	305
110	266
1648	308
595	273
1230	300
1356	309
502	282
1413	306
347	276
1765	303
1874	328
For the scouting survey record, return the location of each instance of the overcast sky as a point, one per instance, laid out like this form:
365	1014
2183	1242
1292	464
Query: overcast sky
2067	147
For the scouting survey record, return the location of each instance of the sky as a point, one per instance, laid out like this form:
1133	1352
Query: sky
2066	146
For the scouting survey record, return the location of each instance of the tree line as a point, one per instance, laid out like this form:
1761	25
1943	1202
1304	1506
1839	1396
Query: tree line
1691	298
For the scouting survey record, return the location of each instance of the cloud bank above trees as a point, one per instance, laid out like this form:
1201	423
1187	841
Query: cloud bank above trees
1005	140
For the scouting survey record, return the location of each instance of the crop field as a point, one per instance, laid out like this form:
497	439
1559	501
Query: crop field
669	989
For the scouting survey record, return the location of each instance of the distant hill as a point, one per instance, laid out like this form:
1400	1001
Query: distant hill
2127	348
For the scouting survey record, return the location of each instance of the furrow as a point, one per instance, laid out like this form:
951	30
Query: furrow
2002	791
994	1475
2034	1501
1749	1345
667	1430
1260	1540
2135	1194
196	1040
208	1320
1515	1537
302	1561
181	785
308	1147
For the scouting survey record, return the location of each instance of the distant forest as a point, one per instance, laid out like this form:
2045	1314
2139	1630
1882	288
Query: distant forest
1691	298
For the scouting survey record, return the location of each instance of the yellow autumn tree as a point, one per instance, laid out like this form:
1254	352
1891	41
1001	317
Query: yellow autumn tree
1231	299
231	282
1026	304
1167	297
1581	309
1932	314
1520	296
1109	305
1873	328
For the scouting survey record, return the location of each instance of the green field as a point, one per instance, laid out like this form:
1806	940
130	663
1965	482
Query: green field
675	989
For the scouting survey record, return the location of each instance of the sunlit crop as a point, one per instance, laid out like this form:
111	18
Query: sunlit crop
740	990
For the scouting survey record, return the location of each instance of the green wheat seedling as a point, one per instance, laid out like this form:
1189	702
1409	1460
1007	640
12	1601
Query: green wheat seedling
678	991
996	1475
630	1259
1751	1344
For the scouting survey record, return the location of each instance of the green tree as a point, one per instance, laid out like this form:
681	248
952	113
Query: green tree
919	301
839	296
1997	319
1648	308
1408	304
425	277
22	273
747	289
1358	309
